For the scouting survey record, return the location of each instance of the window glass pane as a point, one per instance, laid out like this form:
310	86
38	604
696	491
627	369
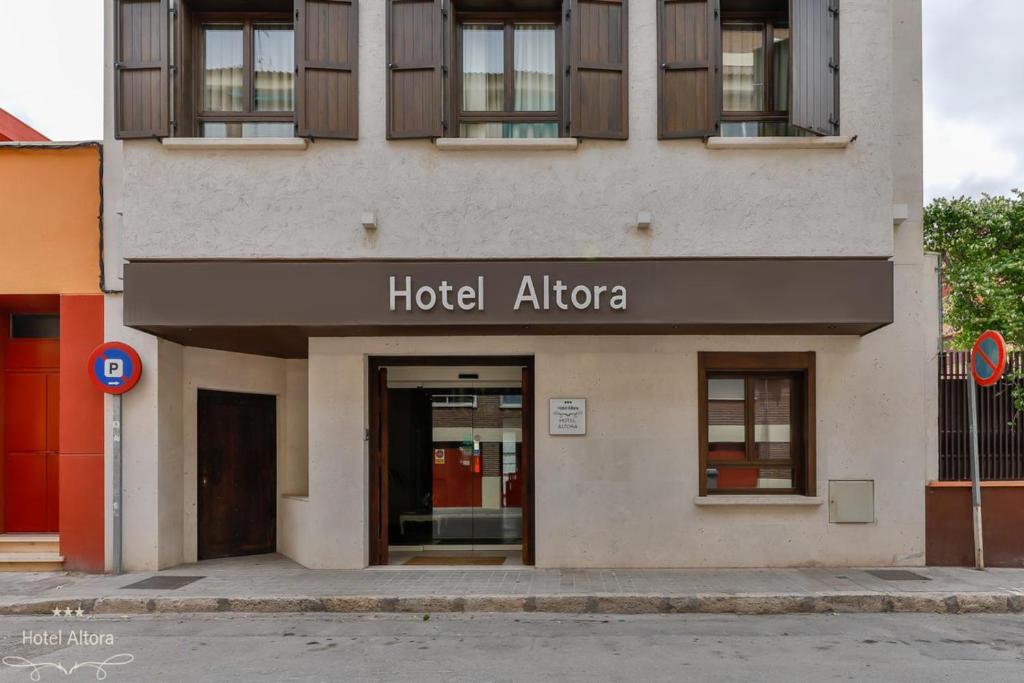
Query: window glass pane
223	83
250	129
483	67
726	419
35	326
754	129
509	130
274	66
742	67
534	52
773	417
729	389
748	478
780	68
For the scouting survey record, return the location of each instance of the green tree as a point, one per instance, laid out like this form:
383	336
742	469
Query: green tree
982	246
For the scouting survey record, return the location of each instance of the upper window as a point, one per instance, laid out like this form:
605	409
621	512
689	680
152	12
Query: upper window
227	68
755	77
757	415
508	86
247	79
748	68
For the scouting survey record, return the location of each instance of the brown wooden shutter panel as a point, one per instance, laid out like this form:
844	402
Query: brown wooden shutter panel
815	87
326	59
415	50
141	69
598	39
688	84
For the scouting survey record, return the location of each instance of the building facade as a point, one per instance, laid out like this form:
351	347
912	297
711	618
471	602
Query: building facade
580	283
51	318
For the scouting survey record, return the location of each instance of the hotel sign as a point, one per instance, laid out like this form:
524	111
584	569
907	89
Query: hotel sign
276	306
567	416
552	294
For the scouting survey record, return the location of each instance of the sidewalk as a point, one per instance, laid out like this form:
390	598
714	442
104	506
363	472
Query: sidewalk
270	583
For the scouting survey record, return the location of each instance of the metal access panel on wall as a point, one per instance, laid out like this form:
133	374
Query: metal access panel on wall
851	502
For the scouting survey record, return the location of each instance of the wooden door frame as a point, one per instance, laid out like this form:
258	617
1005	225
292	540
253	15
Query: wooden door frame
377	432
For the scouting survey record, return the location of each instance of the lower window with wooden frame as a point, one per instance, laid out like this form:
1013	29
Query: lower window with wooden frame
756	414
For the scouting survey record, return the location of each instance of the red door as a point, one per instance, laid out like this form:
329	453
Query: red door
31	434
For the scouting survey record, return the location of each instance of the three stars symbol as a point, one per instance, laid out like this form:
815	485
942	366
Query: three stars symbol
67	612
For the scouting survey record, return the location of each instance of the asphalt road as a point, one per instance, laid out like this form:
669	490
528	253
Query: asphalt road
522	647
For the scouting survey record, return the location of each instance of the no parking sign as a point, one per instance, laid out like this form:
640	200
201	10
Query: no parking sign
114	368
988	358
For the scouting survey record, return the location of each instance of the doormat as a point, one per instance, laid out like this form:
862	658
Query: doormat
163	582
897	575
456	560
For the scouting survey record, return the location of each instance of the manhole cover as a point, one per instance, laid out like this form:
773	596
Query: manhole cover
897	575
163	582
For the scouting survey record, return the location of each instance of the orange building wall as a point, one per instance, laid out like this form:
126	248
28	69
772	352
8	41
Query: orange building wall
49	245
49	220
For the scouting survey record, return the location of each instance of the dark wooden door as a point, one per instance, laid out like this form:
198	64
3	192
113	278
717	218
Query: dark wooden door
237	474
379	497
529	523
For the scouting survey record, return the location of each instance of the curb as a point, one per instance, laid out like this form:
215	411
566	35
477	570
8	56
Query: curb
714	603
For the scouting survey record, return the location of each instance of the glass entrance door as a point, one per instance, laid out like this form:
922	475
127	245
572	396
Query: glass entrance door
455	458
477	466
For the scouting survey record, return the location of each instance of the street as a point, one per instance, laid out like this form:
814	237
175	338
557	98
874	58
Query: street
514	647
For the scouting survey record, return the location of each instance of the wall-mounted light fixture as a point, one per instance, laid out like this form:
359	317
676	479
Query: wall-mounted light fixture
369	220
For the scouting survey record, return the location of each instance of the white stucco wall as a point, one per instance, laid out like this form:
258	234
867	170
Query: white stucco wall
623	495
245	204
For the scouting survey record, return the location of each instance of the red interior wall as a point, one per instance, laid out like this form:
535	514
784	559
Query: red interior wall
81	436
455	484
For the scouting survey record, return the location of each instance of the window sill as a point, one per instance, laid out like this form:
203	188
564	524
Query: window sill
757	501
828	142
295	496
235	143
505	144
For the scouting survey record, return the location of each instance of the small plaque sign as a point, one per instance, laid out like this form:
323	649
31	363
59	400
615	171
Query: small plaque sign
568	416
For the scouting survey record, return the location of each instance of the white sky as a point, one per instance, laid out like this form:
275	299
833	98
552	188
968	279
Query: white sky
974	83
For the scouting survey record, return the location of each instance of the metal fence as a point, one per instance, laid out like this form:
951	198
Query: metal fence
1000	425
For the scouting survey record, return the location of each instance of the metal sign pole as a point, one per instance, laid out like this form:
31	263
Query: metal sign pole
972	402
116	439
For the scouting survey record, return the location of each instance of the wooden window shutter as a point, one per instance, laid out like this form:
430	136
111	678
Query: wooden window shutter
416	68
815	26
326	64
688	83
597	66
141	69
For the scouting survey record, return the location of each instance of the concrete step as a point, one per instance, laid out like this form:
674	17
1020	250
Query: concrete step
29	543
31	562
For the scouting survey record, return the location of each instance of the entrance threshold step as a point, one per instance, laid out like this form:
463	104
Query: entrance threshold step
29	543
31	562
29	537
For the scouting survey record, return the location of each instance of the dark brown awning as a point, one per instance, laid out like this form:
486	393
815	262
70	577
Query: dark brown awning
273	307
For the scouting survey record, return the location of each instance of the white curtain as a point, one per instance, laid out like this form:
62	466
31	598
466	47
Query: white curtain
483	67
742	67
535	67
274	66
223	83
